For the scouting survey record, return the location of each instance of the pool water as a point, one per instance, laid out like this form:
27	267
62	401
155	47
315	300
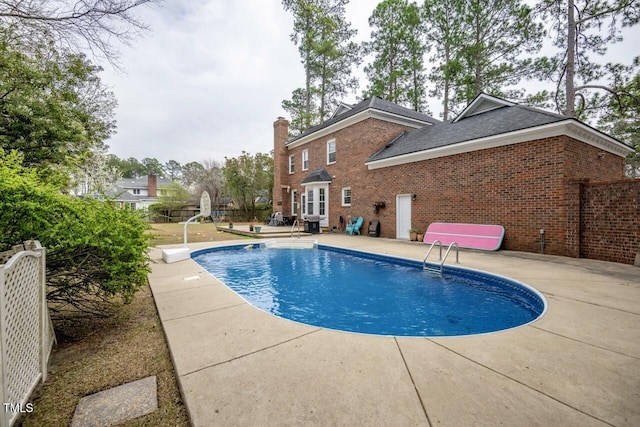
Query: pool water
366	293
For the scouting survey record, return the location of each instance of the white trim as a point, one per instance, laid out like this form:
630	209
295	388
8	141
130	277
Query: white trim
335	149
342	203
356	118
314	188
342	108
473	107
304	184
402	232
294	202
569	127
292	162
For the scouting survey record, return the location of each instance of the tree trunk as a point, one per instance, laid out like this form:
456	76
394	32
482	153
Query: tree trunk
571	60
307	66
447	78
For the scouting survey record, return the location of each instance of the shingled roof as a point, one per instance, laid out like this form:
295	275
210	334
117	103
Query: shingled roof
319	175
483	120
373	103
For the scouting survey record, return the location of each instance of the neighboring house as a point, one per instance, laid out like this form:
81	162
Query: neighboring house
496	163
139	193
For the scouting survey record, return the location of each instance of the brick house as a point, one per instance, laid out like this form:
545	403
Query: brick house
496	163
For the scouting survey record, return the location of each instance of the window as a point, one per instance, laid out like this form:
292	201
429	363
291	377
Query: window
303	203
322	202
309	202
346	196
294	203
136	191
331	151
305	160
292	165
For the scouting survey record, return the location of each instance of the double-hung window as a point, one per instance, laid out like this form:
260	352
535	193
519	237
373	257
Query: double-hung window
310	202
292	164
305	160
346	196
331	151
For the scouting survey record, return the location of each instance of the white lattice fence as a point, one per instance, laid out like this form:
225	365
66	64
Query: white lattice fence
27	334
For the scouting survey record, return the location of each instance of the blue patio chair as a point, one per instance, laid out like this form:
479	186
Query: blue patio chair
354	227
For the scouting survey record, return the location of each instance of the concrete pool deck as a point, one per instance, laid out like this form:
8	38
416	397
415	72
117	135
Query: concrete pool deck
577	366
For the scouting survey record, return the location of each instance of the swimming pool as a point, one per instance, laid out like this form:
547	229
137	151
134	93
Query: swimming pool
368	293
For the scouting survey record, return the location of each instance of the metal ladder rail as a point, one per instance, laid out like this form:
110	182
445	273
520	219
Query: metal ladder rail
293	225
424	261
447	253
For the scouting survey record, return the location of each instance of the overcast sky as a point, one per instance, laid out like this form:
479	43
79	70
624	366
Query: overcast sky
208	81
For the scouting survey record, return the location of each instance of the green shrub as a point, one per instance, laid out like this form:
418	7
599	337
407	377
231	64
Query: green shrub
95	251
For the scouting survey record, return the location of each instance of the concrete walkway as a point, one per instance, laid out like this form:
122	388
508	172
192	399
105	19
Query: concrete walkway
577	366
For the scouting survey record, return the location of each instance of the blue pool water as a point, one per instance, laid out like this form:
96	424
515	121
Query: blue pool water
373	294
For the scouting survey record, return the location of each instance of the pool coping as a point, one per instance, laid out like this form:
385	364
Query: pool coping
578	364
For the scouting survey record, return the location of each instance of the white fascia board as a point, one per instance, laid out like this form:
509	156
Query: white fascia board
480	99
356	118
304	184
571	128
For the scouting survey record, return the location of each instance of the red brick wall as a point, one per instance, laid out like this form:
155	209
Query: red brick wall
520	186
354	145
280	161
514	186
610	221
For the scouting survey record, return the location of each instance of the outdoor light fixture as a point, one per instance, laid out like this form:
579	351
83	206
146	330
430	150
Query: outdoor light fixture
413	197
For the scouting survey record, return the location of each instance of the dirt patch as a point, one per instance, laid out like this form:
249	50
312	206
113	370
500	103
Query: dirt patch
106	353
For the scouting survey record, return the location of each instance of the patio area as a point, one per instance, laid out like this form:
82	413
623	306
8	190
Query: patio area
577	366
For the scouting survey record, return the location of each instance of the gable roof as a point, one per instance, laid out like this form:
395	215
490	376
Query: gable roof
342	108
482	103
484	124
371	107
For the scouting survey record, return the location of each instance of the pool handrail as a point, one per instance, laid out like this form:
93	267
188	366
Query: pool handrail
435	242
293	225
441	259
447	253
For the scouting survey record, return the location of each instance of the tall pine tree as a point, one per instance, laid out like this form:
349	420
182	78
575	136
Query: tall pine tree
398	44
581	30
446	30
328	55
481	47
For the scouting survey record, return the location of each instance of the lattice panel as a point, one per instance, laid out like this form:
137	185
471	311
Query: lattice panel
21	323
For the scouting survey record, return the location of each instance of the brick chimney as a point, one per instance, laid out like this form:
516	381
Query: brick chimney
280	158
152	183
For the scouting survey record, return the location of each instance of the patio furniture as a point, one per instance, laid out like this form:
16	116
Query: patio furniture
276	219
354	227
374	229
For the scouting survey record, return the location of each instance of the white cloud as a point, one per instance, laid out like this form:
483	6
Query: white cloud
209	80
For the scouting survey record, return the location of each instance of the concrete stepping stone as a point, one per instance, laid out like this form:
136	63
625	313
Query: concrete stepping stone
117	405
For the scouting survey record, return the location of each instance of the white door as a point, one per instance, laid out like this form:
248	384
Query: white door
403	216
316	202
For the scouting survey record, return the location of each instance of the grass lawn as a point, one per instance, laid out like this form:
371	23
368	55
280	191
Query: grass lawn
93	355
172	233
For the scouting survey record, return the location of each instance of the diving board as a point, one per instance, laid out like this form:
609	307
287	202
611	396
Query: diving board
472	236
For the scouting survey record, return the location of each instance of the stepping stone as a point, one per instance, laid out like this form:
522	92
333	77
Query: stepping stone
117	405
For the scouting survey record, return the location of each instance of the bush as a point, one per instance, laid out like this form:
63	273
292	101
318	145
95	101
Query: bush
95	251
